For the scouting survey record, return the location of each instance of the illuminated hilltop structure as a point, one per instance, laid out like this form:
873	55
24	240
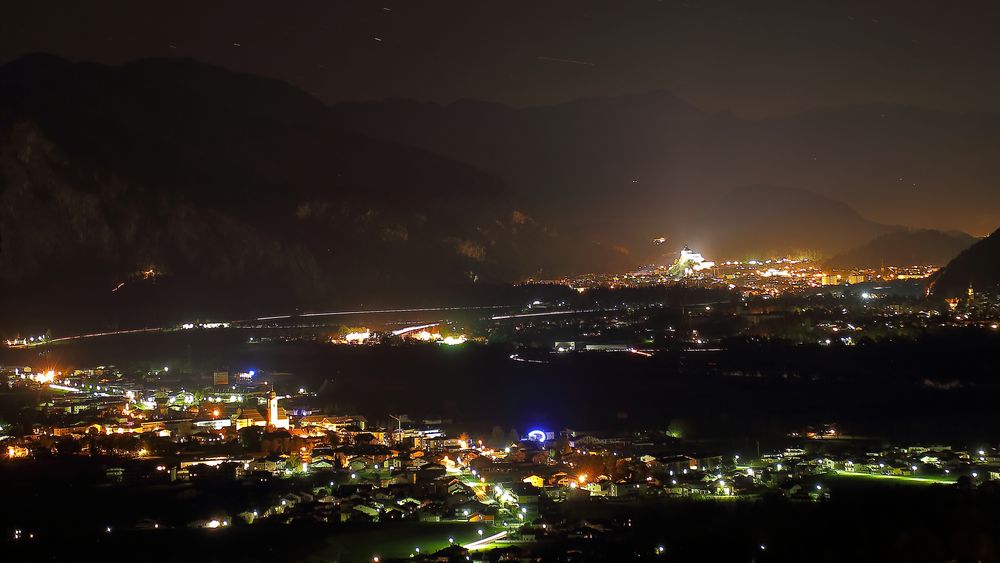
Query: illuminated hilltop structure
688	263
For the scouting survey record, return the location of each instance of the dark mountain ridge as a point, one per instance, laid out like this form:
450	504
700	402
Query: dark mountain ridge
240	193
977	266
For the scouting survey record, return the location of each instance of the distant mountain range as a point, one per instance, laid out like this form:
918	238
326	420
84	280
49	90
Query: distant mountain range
763	221
906	247
632	167
978	267
167	189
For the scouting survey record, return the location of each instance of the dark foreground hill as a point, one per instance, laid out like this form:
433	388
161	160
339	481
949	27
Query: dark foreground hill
978	266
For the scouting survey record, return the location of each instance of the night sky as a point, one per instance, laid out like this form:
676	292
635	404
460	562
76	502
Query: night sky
755	59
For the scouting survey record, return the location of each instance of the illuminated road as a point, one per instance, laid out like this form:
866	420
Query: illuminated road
403	331
485	541
100	334
377	311
268	318
549	313
518	358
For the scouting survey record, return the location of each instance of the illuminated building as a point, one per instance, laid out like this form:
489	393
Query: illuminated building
276	416
689	262
830	279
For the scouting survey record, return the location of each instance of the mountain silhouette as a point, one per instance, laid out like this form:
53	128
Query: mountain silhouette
632	167
240	193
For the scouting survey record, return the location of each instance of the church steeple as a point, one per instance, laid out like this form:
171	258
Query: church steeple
272	409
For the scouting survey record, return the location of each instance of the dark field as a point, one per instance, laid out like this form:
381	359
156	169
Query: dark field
735	397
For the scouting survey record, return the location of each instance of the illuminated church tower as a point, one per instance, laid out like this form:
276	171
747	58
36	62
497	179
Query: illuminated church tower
272	410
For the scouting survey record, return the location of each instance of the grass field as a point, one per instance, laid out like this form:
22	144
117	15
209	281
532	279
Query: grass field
398	540
869	479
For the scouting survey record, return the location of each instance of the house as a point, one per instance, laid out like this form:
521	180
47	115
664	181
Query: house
321	465
678	464
524	493
269	464
249	417
534	480
360	463
371	513
279	441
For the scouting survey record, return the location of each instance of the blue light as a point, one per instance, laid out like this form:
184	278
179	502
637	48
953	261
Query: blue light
252	373
537	435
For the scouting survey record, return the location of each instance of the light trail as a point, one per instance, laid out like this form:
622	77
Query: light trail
414	310
518	358
267	318
99	334
549	313
403	331
485	541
